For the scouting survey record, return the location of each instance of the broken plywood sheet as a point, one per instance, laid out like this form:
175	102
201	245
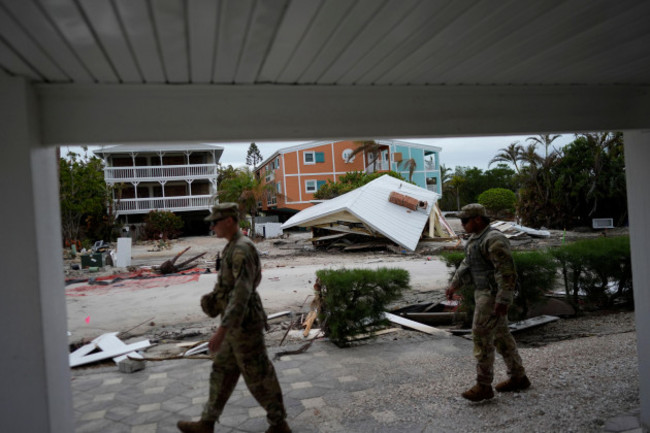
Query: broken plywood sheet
518	326
415	325
107	346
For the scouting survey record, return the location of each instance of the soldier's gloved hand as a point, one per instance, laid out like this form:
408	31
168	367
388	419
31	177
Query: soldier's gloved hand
208	305
449	293
500	309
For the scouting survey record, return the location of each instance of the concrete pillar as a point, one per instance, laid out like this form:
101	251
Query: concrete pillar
637	157
35	393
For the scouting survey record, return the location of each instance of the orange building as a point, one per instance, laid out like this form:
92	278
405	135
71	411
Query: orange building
297	172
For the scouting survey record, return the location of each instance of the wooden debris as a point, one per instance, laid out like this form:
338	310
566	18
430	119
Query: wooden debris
106	346
415	325
170	267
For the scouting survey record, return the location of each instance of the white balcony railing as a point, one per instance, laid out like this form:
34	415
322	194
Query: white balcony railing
378	166
131	206
159	172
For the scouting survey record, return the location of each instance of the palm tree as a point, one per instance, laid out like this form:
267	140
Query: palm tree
370	147
510	155
545	140
455	183
409	164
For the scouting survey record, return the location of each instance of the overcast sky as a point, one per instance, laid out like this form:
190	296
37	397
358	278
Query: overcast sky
459	151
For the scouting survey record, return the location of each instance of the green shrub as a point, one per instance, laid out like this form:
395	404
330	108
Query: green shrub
160	224
498	200
589	267
536	274
354	300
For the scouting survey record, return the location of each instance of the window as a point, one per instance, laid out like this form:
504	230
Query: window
310	186
277	162
313	157
278	187
347	156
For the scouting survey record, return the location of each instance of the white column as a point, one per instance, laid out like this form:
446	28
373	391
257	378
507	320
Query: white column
637	157
35	395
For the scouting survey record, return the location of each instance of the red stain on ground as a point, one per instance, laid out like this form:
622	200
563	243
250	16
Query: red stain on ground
130	282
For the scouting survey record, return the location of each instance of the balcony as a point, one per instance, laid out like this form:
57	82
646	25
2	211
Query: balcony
159	172
132	206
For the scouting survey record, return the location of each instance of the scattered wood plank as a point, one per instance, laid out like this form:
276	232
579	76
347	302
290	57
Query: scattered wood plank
415	325
372	334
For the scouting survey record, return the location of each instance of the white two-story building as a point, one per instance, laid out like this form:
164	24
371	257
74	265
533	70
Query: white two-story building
181	178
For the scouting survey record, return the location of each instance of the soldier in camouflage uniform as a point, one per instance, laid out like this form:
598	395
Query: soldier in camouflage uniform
489	267
238	344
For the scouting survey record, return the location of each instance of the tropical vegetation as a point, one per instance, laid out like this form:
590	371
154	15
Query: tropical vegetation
554	187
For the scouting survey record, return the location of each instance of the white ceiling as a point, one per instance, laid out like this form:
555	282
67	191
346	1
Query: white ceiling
327	42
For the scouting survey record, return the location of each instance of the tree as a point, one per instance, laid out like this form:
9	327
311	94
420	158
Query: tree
509	155
348	182
84	198
456	182
371	147
410	165
246	190
254	156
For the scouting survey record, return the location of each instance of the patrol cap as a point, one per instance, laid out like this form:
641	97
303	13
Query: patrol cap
223	210
472	210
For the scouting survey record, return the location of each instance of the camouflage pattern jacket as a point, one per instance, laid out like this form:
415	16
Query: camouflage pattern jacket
488	265
234	295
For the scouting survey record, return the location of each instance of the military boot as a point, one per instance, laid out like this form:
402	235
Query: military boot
196	426
479	392
513	384
283	427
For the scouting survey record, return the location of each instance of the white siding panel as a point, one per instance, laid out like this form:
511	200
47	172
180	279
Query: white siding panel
433	43
524	43
136	18
233	25
39	27
202	20
169	21
415	20
103	18
438	24
352	24
320	30
457	52
387	18
75	29
22	43
264	22
14	64
290	33
594	48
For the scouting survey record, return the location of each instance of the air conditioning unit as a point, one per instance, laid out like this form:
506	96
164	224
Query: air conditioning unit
602	223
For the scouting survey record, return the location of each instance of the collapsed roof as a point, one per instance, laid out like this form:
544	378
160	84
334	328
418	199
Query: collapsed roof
369	210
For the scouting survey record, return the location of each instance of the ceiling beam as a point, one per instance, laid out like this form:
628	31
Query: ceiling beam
95	113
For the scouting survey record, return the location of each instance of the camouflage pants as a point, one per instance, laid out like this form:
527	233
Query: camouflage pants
491	332
244	354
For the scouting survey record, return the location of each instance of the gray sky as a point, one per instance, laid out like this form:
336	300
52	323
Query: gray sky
458	151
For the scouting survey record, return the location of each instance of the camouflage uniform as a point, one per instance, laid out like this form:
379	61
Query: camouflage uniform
488	265
243	350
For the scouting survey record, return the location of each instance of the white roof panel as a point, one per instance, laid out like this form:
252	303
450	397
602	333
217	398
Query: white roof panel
370	205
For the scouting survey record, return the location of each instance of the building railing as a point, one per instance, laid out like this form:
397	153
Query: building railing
174	204
159	172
